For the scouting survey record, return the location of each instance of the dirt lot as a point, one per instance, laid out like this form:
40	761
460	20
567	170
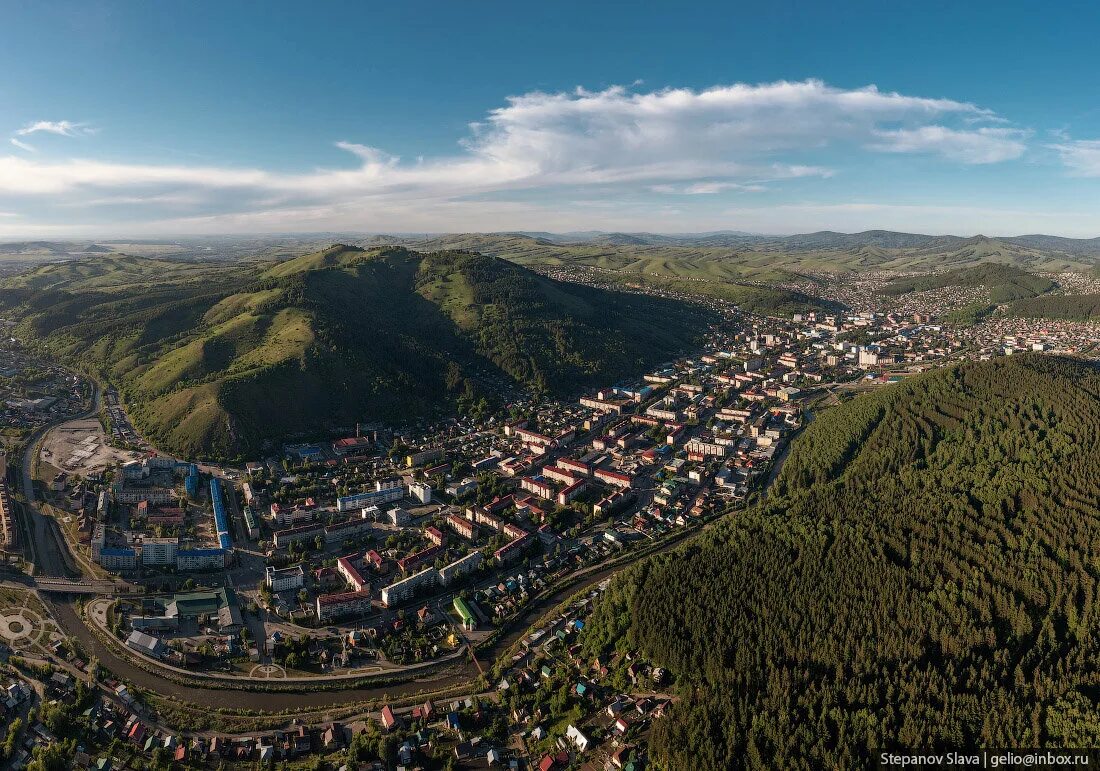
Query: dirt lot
80	447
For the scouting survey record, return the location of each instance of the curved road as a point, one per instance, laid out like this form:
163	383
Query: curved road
449	677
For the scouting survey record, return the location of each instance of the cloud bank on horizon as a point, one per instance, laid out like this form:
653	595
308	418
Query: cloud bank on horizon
674	159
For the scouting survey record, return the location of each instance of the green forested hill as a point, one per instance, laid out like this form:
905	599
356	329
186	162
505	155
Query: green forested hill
923	574
1004	282
218	360
1079	307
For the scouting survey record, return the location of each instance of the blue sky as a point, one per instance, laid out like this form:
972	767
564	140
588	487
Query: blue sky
134	118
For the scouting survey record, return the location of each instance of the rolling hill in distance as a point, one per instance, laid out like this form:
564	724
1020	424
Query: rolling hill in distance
217	355
216	360
923	573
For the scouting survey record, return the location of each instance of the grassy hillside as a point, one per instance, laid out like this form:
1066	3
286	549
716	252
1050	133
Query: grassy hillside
217	360
923	574
1003	282
737	257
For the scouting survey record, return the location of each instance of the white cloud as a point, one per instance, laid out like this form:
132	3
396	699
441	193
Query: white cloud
699	143
65	128
23	145
1080	156
707	188
983	145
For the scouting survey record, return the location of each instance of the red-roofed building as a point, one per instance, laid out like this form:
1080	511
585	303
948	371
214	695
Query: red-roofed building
434	535
415	560
463	527
616	478
330	606
346	568
572	491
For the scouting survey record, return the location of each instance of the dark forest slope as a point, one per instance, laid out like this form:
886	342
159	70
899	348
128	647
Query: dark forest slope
924	573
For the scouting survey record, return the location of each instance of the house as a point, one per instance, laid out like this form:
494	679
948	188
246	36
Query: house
389	720
147	644
332	738
575	735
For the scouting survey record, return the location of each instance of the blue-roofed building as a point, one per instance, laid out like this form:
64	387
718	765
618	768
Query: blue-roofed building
191	481
221	519
113	558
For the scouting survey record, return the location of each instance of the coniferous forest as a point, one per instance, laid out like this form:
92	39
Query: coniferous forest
922	574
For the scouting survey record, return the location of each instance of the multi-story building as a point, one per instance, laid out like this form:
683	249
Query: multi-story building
118	558
99	540
103	506
397	516
613	502
463	527
333	606
511	550
615	478
534	437
200	559
284	538
351	529
286	579
706	445
572	491
291	516
424	456
384	492
251	526
565	476
157	496
538	486
406	589
578	467
460	567
413	561
434	535
421	491
159	551
346	568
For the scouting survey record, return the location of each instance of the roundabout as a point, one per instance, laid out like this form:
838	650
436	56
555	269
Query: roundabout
19	626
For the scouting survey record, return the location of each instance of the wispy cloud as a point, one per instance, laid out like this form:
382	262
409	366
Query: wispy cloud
978	146
23	145
735	138
63	128
1080	156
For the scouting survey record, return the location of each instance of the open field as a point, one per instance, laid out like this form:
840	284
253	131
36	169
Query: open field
80	447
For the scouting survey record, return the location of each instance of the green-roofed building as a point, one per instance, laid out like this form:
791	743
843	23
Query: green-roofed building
464	612
198	604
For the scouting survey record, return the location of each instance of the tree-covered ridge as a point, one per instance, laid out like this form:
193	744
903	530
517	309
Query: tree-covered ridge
924	573
1080	307
217	361
1004	282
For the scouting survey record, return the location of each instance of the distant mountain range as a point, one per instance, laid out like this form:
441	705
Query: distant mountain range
721	239
825	239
